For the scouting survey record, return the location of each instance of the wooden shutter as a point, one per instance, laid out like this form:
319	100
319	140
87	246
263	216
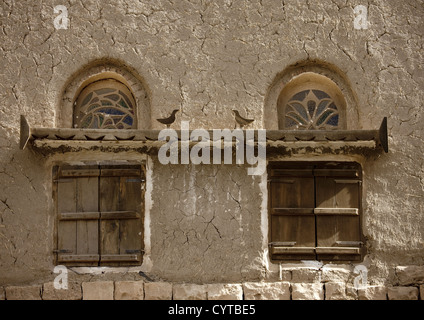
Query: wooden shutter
292	218
338	213
77	207
121	215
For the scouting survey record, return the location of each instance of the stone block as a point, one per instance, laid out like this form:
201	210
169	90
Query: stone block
402	293
351	292
306	275
23	293
221	291
335	274
408	275
339	291
422	292
2	294
98	290
188	291
307	291
73	292
372	293
157	291
129	290
266	291
335	291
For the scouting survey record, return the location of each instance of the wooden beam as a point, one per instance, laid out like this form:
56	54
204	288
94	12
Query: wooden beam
25	133
384	140
380	136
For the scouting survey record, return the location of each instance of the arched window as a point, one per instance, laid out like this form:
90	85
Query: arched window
311	102
105	104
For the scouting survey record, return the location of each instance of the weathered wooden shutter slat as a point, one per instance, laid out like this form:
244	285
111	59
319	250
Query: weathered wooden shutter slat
292	218
121	223
79	216
87	230
121	258
67	230
92	259
77	228
121	171
299	194
291	172
109	201
336	211
79	171
292	211
131	229
338	220
293	252
337	250
328	172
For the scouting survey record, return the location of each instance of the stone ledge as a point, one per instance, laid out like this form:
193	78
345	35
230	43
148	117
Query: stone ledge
281	290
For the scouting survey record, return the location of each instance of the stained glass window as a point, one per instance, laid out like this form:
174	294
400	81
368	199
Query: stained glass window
311	110
105	104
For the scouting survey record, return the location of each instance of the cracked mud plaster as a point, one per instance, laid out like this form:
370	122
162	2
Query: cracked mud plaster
206	222
207	58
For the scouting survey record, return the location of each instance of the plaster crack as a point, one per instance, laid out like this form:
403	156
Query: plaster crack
7	205
338	46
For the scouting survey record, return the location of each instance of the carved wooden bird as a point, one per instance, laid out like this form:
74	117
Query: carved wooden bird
170	120
240	120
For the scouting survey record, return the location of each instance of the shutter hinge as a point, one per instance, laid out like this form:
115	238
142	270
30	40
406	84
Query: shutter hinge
64	180
350	243
282	243
62	251
134	251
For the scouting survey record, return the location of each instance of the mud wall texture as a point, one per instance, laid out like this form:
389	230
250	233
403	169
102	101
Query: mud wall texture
206	222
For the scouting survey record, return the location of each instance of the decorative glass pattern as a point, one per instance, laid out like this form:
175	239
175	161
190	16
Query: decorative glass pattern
311	110
105	104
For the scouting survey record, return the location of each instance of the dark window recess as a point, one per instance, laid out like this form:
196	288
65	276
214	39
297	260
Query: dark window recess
315	211
99	215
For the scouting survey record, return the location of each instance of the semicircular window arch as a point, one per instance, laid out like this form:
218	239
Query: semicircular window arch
311	102
105	104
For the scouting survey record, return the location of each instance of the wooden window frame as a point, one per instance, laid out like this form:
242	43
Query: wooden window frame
90	198
307	220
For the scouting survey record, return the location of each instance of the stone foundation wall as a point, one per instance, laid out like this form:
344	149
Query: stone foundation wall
296	284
